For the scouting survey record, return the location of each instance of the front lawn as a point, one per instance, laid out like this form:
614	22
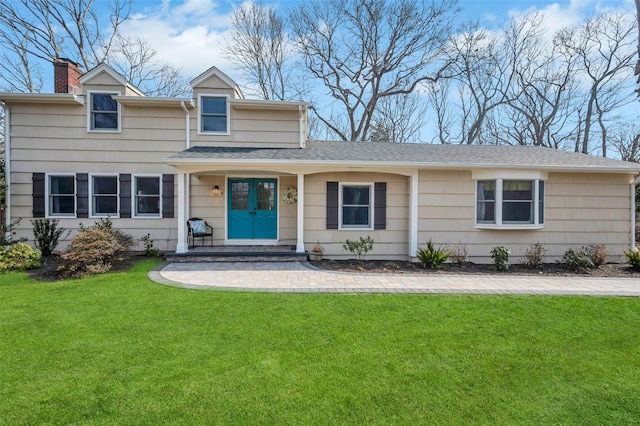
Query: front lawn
118	349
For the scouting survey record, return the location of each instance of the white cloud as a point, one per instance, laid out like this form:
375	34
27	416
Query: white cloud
185	34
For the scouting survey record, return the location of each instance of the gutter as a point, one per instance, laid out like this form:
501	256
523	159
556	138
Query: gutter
633	212
300	127
7	167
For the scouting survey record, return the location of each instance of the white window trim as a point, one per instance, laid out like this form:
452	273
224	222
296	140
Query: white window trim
371	186
536	178
117	195
47	196
90	107
134	195
213	95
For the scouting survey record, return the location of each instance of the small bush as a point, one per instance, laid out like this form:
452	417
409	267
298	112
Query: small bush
7	232
459	254
125	240
500	256
47	234
533	256
149	250
359	248
597	254
92	251
633	257
575	261
431	257
19	256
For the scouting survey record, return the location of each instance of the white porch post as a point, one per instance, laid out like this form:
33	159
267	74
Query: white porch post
300	233
182	246
413	214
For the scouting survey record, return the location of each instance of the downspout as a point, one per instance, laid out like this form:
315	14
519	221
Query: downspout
7	167
301	127
187	140
633	211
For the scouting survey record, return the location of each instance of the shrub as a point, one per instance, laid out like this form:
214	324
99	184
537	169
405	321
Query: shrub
575	261
431	257
533	256
19	256
47	234
359	248
149	250
7	232
459	254
633	257
500	256
92	251
106	224
597	254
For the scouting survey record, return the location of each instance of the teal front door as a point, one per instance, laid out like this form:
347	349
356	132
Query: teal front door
252	209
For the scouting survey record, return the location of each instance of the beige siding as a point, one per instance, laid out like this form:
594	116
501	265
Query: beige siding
390	243
54	139
253	128
580	209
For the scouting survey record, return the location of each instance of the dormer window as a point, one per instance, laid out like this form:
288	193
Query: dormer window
104	112
214	114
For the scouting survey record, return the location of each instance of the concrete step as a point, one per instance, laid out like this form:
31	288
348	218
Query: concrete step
249	256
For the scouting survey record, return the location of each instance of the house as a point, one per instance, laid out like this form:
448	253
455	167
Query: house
99	148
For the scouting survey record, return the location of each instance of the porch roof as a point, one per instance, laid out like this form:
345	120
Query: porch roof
416	155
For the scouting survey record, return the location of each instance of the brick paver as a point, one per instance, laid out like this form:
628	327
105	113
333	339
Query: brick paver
299	278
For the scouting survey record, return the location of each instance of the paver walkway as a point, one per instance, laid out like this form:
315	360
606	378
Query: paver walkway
294	277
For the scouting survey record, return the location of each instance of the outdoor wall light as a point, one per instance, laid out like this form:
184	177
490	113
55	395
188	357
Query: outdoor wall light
216	191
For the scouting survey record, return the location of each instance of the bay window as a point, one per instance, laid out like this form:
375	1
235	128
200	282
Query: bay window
509	203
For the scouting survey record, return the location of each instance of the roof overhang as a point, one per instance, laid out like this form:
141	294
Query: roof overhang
205	165
144	101
270	105
41	98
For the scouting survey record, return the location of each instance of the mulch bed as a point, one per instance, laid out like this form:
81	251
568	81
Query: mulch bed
48	269
49	266
402	267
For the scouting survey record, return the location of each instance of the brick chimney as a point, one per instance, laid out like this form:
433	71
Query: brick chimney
66	74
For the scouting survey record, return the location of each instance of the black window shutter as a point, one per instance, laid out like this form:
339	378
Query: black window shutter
38	194
332	205
167	196
380	209
82	195
125	195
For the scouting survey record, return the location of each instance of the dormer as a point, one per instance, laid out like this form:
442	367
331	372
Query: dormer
214	81
100	86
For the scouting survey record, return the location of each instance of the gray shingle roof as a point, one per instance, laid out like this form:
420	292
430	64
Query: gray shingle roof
415	155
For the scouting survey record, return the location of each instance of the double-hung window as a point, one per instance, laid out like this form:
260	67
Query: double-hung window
62	195
214	114
147	196
104	196
356	206
104	112
510	203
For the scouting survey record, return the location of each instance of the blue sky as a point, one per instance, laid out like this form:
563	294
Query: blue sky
187	33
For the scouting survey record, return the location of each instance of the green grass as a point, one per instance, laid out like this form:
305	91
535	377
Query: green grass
118	349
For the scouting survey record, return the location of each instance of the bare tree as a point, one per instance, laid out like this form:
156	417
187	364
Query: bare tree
603	46
135	59
258	46
37	32
637	71
399	119
485	68
365	50
543	100
625	140
61	28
